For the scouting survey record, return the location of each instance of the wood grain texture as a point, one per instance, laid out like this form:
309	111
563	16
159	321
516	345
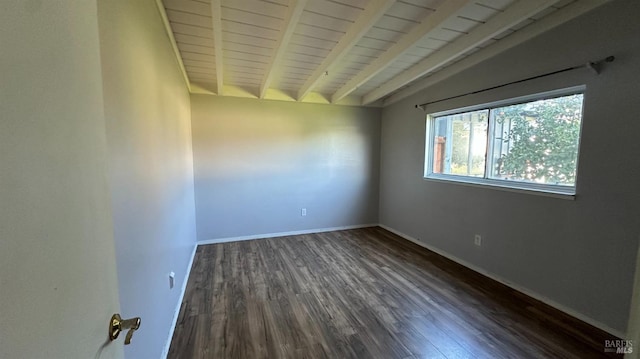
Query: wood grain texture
363	293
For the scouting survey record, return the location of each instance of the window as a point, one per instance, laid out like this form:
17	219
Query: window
526	143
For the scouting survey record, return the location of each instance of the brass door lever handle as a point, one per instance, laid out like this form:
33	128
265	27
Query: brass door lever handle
117	324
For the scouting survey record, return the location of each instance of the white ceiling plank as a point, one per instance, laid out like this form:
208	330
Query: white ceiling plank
304	58
196	49
199	80
420	51
428	4
325	21
193	7
396	24
202	70
408	11
445	35
191	30
198	57
246	76
334	9
478	12
292	17
461	24
254	41
217	44
249	30
188	18
430	23
384	34
313	41
244	55
193	40
201	75
254	50
288	63
229	68
543	25
298	49
325	33
514	14
259	20
563	3
256	7
199	64
243	62
430	43
363	51
496	4
376	44
365	21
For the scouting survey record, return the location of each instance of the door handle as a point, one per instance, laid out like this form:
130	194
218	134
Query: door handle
117	324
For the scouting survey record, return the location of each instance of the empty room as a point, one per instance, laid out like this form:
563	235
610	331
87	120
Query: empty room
319	179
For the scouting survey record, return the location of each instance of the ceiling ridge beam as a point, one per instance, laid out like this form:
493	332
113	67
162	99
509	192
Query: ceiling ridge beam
294	11
511	16
444	12
548	22
216	20
371	14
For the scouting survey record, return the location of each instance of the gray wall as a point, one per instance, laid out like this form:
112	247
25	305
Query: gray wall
579	254
257	163
58	285
150	166
633	331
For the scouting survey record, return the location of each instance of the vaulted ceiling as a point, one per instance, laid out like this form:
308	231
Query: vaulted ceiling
359	52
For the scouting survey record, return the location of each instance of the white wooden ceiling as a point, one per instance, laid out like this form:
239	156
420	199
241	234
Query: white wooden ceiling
362	52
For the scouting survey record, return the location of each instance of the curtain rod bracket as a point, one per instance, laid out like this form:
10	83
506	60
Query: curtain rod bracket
593	67
597	66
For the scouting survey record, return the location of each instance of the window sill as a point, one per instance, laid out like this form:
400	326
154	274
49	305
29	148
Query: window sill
501	185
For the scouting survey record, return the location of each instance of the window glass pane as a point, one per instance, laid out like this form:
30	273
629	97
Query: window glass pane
459	144
537	141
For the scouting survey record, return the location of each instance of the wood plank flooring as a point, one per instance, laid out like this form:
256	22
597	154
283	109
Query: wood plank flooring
363	293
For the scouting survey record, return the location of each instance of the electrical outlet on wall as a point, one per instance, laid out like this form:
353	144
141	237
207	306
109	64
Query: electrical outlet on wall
303	212
477	240
172	279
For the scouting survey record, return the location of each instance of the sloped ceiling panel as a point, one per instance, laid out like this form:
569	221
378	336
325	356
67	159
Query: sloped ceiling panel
343	51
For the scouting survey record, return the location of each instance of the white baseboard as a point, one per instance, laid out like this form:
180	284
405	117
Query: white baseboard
176	313
517	287
282	234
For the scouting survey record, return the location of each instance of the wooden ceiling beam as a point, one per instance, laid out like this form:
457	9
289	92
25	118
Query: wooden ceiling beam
499	23
292	17
548	22
216	19
430	23
369	16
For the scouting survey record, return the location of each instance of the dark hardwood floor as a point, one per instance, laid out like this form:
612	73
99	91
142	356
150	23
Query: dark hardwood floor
363	293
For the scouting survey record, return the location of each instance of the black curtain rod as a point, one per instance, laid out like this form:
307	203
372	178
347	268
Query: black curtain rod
595	66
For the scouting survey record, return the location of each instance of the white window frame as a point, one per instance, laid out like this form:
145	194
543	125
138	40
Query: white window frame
560	191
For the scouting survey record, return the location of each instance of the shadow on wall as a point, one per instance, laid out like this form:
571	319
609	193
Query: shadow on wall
263	161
